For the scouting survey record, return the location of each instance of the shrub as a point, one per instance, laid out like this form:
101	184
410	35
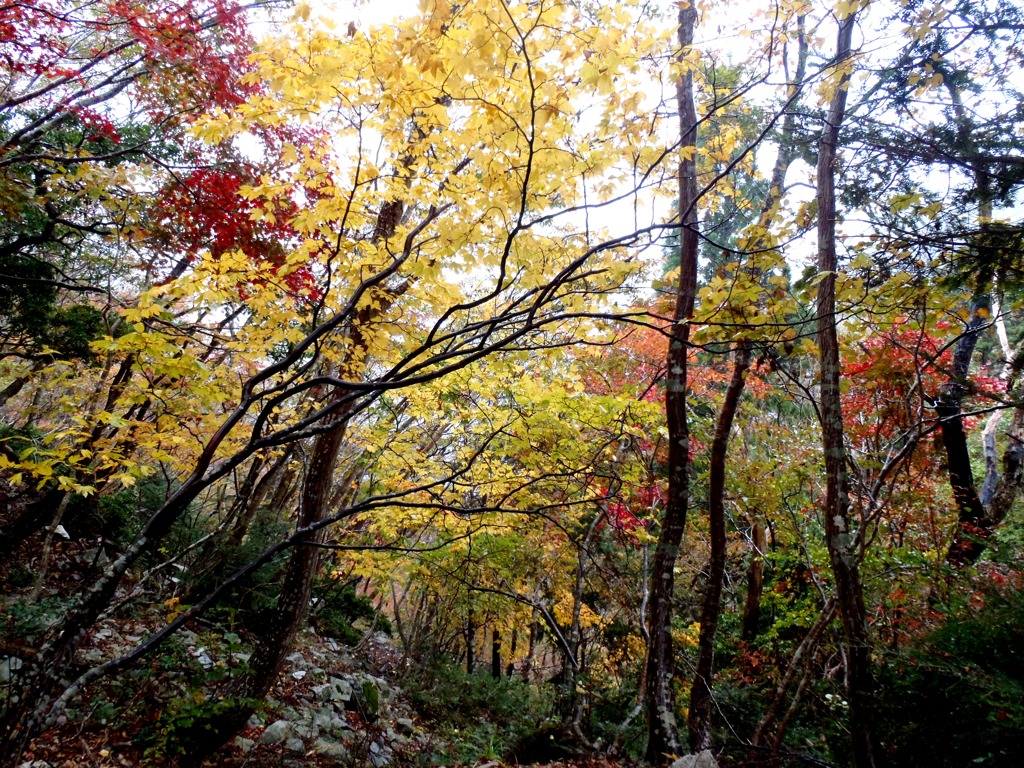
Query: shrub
338	611
482	717
957	698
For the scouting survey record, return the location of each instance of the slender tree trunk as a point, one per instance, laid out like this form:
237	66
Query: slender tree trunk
511	668
755	582
699	721
278	630
495	653
701	692
663	732
800	658
841	539
978	514
277	634
470	642
972	519
531	648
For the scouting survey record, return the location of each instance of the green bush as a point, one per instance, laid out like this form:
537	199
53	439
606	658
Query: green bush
28	621
481	717
244	604
187	725
339	610
957	698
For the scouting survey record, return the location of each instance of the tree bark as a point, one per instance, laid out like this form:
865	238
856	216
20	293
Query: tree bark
663	732
755	582
841	539
972	518
511	668
470	642
495	653
699	721
279	628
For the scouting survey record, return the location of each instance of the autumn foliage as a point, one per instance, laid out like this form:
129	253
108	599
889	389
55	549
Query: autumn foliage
313	328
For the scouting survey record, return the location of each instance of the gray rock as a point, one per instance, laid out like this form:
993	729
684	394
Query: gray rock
323	719
700	760
91	655
95	555
323	692
8	667
331	749
343	687
276	732
405	726
295	745
306	732
245	746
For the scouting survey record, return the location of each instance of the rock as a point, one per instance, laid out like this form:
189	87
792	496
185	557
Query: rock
200	655
343	686
187	637
295	745
323	719
276	732
306	732
405	726
8	667
91	655
245	746
331	749
701	760
96	556
335	691
323	692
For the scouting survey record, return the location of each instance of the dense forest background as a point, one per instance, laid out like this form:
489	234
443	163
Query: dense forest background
612	380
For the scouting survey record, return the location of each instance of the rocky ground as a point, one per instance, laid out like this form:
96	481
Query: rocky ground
333	706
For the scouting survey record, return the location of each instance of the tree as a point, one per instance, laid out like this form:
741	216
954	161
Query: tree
416	270
933	122
662	732
94	142
841	538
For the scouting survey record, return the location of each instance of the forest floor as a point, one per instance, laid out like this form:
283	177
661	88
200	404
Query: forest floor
332	706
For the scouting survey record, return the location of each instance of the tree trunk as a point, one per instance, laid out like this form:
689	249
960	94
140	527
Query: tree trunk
470	642
495	653
701	693
972	518
663	732
699	721
531	648
755	582
279	628
798	661
841	539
